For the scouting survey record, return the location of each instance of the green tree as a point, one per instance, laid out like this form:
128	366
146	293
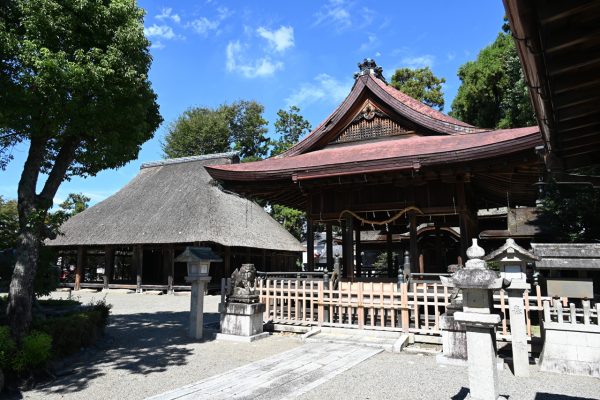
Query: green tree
420	84
9	224
493	93
75	203
74	78
290	126
198	131
571	213
238	126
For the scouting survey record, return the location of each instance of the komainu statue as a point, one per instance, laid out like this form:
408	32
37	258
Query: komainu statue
243	285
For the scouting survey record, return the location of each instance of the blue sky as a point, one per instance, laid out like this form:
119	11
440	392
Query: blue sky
283	53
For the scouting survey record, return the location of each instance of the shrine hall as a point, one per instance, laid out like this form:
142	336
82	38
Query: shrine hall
383	161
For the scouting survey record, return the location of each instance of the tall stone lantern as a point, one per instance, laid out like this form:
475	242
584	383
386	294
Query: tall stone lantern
198	261
512	260
478	283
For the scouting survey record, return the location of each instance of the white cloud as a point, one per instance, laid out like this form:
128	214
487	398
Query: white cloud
451	56
325	89
236	62
426	60
157	45
335	12
167	14
204	25
368	45
160	31
280	39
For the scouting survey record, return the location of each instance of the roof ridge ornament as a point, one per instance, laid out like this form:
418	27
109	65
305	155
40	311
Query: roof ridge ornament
369	66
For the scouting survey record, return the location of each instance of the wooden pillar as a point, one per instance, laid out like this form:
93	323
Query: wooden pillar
349	247
263	267
109	262
329	246
80	267
438	249
310	245
138	264
390	253
168	265
414	244
463	219
358	252
227	261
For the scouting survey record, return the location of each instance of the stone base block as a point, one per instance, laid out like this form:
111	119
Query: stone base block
241	319
441	359
571	349
241	339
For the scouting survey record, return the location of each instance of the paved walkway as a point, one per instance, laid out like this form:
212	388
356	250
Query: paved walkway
285	375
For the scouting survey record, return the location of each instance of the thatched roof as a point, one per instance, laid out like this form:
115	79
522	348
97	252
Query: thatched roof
176	201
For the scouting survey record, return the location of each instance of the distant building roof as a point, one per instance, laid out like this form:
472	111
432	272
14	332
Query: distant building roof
176	201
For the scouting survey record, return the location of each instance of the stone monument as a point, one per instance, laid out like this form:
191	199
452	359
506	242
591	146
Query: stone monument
478	283
454	334
242	313
513	261
198	261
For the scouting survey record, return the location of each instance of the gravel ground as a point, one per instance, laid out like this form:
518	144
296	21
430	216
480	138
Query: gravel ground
146	352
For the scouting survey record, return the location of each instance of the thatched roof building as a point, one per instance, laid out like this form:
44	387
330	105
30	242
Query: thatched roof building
175	202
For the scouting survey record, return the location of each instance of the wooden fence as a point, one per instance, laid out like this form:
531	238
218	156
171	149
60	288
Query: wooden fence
559	312
412	308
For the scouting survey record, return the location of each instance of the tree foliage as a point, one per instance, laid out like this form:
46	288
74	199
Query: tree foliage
200	130
75	88
421	84
290	126
493	93
9	223
571	213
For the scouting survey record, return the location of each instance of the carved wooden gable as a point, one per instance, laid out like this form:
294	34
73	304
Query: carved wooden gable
370	123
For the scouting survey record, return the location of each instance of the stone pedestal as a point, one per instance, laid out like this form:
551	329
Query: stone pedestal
478	284
481	349
454	340
197	307
518	327
241	321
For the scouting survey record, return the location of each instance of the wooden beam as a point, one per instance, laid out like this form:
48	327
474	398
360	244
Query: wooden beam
80	267
358	251
109	262
138	264
227	261
329	245
349	247
390	253
168	254
414	244
310	245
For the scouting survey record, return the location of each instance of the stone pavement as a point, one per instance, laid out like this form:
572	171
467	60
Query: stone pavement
285	375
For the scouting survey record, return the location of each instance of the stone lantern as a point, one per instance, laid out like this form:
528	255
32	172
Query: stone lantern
478	283
512	260
198	261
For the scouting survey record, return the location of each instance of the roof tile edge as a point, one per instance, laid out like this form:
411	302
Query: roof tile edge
168	161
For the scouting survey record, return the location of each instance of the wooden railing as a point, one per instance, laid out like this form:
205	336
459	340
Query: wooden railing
415	308
560	312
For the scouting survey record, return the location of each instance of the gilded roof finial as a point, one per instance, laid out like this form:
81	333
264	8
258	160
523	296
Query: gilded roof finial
369	66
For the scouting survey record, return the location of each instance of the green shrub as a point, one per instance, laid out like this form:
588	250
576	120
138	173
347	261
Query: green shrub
58	303
8	348
34	352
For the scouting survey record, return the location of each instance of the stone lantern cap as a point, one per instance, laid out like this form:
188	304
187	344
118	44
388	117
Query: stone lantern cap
510	251
476	274
198	254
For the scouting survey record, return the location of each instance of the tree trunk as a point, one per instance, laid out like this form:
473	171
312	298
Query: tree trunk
21	285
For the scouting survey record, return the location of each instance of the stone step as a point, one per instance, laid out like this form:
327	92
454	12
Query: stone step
387	341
